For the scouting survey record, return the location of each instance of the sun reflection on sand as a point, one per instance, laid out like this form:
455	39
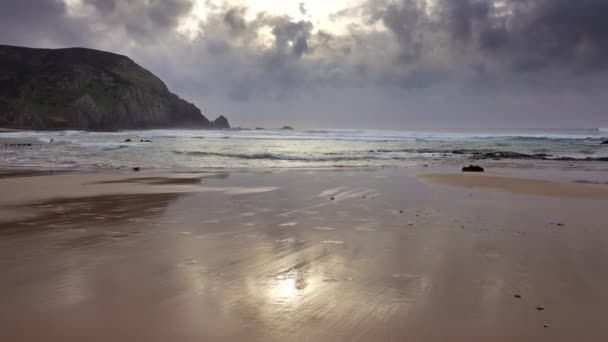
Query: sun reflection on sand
284	289
293	287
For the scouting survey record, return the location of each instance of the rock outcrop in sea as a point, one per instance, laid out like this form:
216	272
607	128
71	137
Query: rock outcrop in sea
84	89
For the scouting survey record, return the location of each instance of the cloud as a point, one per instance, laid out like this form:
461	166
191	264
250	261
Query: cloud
302	8
468	51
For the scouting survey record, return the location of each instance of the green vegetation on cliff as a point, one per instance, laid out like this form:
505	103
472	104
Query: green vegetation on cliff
79	88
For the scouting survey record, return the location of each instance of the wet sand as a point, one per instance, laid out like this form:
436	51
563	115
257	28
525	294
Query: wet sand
518	185
309	255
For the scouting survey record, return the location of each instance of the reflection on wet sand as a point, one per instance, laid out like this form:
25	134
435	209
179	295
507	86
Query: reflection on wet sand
388	259
79	213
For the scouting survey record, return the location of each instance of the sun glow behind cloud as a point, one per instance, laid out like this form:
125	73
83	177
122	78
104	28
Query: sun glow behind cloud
318	12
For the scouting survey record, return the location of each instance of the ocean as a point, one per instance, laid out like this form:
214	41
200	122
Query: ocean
229	149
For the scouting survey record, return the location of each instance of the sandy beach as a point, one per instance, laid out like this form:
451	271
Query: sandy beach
301	255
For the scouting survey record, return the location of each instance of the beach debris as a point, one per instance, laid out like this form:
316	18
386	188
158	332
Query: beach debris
517	295
136	169
472	168
540	308
146	141
127	140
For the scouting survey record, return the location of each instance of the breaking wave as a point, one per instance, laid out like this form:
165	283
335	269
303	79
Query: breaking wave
102	146
279	156
384	154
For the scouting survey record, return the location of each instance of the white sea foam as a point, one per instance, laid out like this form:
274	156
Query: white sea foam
103	146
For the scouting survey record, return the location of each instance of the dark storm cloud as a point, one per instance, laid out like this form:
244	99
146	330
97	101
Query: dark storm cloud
235	19
30	11
526	35
291	36
409	23
34	22
551	33
166	13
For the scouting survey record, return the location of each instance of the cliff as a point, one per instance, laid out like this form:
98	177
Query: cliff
77	88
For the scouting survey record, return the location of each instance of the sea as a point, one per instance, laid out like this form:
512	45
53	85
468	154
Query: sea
314	148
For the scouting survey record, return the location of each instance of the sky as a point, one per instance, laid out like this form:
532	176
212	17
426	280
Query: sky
420	64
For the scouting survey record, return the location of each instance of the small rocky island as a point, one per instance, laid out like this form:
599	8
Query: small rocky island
77	88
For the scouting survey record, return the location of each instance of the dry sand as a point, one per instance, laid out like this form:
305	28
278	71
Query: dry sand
301	256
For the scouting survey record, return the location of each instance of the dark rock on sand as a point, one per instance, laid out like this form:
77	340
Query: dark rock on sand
540	308
605	142
287	128
472	168
136	169
517	296
145	141
128	140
